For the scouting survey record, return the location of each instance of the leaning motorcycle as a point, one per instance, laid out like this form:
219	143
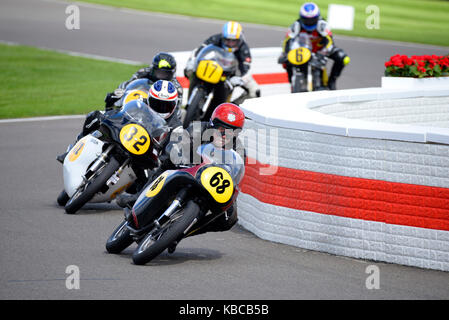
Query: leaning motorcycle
308	69
136	89
213	66
102	164
179	203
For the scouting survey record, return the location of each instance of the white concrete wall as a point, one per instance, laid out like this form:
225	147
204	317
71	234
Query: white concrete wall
312	136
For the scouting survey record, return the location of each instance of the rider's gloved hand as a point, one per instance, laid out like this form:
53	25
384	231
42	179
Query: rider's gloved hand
118	93
282	58
236	81
190	66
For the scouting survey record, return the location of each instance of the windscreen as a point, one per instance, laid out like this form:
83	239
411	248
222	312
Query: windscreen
230	160
226	59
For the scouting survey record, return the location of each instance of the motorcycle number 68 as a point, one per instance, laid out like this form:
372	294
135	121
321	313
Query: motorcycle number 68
218	183
135	138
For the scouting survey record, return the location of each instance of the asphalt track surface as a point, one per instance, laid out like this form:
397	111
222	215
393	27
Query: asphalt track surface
38	241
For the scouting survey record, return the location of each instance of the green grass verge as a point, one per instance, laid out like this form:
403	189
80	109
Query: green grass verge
37	82
420	21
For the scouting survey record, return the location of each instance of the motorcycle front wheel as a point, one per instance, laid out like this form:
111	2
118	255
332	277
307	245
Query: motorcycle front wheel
159	239
193	110
120	239
91	187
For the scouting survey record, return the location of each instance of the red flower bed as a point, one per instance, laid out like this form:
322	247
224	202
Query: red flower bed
417	66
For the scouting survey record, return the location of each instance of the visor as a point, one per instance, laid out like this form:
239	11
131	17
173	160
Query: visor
164	108
231	43
309	22
164	74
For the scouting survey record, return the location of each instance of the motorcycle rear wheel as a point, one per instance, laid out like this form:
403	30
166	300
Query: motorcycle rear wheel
120	239
79	199
160	239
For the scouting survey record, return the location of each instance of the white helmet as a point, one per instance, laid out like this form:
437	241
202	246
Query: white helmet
163	98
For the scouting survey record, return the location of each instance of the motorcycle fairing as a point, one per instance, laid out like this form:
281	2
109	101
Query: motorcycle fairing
77	161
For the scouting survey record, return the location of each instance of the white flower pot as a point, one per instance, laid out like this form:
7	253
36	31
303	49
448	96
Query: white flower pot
415	83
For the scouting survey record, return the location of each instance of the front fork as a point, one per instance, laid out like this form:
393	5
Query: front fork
175	206
101	160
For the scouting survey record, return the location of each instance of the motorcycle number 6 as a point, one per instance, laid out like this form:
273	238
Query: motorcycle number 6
299	56
218	183
135	138
209	71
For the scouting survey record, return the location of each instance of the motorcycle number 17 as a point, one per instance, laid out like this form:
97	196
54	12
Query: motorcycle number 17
135	139
209	71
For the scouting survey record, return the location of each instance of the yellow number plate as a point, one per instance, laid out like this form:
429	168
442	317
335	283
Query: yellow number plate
76	150
134	95
156	185
299	56
219	183
209	71
135	138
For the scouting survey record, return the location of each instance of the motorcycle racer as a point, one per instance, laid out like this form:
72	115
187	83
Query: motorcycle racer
311	23
163	99
163	67
225	124
232	40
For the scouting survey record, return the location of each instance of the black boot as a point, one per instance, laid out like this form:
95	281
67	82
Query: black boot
126	199
61	157
332	83
171	248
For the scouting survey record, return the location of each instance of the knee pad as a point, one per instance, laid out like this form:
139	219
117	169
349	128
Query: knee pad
341	56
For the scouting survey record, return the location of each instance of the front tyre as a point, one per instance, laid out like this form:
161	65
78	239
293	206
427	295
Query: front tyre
298	83
193	110
93	185
159	239
120	239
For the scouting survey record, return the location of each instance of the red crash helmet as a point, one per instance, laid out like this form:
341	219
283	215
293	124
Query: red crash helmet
228	115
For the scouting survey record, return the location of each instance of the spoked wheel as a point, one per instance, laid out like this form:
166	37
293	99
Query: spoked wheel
92	186
193	110
120	239
160	238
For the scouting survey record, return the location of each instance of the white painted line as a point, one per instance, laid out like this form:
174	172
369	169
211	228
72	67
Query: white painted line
71	117
78	54
254	25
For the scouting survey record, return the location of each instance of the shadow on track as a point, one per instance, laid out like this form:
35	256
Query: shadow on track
181	255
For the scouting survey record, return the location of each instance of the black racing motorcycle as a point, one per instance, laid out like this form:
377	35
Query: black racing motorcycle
308	69
103	164
213	66
179	203
136	89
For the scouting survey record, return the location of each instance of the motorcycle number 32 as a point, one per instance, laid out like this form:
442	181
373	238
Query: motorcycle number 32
135	138
299	56
218	183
